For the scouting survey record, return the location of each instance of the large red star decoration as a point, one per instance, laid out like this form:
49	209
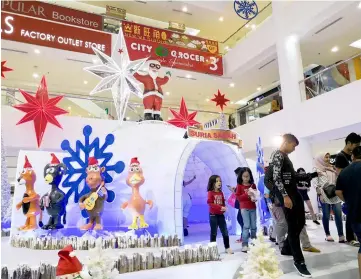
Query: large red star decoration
182	119
40	109
220	99
4	69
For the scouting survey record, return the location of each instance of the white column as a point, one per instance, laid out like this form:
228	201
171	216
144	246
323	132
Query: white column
289	58
302	158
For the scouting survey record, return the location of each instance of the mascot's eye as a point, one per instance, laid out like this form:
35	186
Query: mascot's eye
51	170
90	168
137	169
24	171
96	168
131	169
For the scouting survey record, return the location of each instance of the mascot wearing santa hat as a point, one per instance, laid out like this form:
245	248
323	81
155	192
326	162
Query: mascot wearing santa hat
153	92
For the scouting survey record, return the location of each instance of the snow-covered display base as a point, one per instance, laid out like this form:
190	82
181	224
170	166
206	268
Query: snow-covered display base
39	240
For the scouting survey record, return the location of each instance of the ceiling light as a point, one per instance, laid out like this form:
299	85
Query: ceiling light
188	76
334	49
226	48
232	103
253	26
128	118
231	84
167	93
95	61
35	75
207	100
85	82
247	25
277	140
184	9
69	108
356	44
221	18
89	114
36	51
359	5
259	88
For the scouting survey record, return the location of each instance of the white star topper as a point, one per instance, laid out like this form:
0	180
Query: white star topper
117	73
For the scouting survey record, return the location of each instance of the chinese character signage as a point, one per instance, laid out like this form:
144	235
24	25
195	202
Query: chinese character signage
175	50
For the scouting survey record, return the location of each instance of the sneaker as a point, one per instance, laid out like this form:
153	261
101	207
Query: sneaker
272	239
316	222
354	243
341	239
302	270
229	251
245	249
329	239
185	231
312	250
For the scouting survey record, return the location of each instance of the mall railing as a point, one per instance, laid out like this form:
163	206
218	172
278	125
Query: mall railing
332	77
11	96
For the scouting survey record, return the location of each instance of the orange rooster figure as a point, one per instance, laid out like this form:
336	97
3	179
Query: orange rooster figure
30	201
136	203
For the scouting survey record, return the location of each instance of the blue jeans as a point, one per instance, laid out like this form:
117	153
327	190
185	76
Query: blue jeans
356	227
326	210
249	223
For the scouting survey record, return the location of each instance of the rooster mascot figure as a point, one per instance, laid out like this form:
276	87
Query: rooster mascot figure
153	92
136	203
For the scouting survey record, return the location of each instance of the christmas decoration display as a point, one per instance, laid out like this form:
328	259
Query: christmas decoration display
41	109
93	202
183	119
220	100
223	122
112	240
54	200
246	9
30	201
6	199
80	157
262	261
124	263
153	92
98	264
117	73
4	69
68	266
136	203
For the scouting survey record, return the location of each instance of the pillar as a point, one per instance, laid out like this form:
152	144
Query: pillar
289	58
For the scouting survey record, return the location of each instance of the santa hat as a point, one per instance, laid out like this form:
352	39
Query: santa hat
134	161
68	266
153	60
27	164
54	160
92	161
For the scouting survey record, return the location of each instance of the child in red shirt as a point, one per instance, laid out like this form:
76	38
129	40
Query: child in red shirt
245	194
217	207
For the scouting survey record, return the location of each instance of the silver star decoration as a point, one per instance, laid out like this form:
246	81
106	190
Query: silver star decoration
117	73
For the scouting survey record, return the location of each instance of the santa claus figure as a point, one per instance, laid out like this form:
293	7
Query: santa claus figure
153	92
69	266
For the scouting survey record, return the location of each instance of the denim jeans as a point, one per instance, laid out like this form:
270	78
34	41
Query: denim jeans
249	223
326	210
216	221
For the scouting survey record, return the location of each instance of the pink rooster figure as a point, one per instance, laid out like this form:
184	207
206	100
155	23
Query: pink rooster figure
136	203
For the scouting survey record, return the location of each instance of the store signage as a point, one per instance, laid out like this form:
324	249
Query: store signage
116	12
175	26
216	134
52	12
55	35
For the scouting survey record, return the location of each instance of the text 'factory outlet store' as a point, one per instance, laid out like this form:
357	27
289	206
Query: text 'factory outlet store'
51	26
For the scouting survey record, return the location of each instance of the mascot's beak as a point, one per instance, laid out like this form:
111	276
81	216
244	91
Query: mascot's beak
48	178
135	179
21	181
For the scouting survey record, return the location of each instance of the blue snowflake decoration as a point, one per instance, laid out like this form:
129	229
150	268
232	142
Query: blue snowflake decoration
82	163
246	9
260	159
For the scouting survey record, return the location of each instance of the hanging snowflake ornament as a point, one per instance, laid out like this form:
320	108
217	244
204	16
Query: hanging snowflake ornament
260	157
41	109
117	73
246	9
220	100
75	179
183	119
4	69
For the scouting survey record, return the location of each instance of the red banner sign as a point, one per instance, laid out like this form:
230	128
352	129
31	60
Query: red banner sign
54	13
216	134
55	35
167	37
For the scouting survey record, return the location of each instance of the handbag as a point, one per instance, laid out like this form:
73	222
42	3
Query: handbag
330	190
232	200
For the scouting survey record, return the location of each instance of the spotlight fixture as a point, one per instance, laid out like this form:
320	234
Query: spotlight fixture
37	51
85	82
221	18
184	9
69	108
35	75
253	26
334	49
167	93
259	88
95	61
231	84
188	76
247	25
207	100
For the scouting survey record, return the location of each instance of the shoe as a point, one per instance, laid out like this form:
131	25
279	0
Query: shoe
329	239
272	239
185	232
302	270
354	243
229	251
316	222
341	239
312	250
245	249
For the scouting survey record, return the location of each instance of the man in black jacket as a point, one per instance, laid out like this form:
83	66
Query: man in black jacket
285	179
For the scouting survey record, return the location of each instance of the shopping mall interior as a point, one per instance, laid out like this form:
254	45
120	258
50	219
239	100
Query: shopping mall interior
90	89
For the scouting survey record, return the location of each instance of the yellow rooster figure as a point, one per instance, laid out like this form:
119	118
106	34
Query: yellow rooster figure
136	203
